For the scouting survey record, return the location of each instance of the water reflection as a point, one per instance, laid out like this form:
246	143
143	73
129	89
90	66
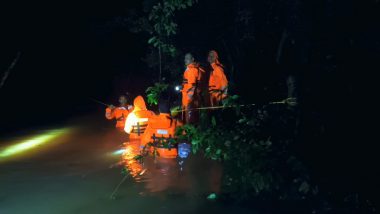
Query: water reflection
190	176
162	174
131	150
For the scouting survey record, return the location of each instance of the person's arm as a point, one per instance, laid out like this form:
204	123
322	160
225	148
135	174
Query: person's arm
192	81
184	82
223	83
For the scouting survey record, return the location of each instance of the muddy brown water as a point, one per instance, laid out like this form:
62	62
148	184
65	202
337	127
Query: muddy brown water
78	172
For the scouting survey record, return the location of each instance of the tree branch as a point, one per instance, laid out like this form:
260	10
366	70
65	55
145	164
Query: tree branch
6	74
281	46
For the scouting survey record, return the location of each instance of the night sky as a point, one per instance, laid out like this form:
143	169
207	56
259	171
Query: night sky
69	52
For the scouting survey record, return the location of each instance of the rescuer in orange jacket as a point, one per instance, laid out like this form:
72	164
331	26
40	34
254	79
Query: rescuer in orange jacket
161	128
119	113
218	83
137	120
191	77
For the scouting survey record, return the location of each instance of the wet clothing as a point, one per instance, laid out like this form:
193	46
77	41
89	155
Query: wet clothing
161	127
189	84
218	84
120	114
191	90
137	120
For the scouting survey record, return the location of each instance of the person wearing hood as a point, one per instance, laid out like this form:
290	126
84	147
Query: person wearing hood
137	120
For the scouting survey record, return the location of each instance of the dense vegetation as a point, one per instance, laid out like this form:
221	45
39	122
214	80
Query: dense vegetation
269	150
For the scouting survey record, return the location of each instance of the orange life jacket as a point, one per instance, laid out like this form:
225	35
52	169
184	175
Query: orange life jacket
137	120
190	79
161	128
218	84
120	114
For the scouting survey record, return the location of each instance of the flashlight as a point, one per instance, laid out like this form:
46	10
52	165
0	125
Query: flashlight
177	88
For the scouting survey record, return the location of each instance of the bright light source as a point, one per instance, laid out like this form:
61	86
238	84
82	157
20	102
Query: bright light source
119	152
177	88
31	143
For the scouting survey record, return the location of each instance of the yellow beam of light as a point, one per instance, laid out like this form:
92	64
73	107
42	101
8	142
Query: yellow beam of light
31	143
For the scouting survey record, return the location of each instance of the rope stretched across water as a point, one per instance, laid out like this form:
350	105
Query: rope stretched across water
232	106
290	101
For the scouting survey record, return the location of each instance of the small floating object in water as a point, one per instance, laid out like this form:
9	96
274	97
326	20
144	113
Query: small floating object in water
183	150
212	196
142	172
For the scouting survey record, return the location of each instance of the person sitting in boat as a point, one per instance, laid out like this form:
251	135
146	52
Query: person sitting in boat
137	120
119	113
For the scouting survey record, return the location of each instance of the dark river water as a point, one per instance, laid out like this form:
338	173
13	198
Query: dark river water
79	168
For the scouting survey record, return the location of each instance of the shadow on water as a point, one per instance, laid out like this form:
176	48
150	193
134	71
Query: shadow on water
78	171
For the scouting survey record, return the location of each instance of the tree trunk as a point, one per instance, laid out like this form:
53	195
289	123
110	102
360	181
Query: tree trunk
281	45
160	60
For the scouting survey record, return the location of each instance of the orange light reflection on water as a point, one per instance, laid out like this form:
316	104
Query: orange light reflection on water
131	150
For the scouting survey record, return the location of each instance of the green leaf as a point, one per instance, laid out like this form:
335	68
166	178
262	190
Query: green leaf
212	196
208	150
151	40
213	121
225	156
156	44
156	153
153	92
227	143
194	149
138	157
304	187
124	171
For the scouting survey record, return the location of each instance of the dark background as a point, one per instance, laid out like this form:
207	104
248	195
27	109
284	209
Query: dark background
69	52
73	51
